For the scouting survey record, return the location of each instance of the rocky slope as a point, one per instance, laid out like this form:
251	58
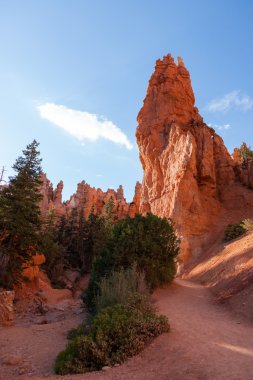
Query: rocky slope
86	198
227	269
188	172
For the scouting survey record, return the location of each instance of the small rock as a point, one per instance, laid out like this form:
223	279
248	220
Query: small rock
116	365
59	309
106	368
13	360
42	321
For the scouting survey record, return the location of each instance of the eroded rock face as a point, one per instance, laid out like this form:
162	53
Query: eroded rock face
186	166
52	199
87	198
134	207
245	173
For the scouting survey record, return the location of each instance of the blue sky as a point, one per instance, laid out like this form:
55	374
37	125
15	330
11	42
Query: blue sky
68	64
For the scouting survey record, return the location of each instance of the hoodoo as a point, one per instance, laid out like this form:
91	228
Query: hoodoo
87	198
188	171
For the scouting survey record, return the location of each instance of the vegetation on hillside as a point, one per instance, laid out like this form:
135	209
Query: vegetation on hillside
233	231
69	242
148	241
139	255
127	259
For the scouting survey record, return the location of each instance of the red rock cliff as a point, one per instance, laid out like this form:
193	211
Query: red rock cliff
187	169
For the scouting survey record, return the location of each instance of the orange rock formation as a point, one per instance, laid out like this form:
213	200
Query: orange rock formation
86	198
187	168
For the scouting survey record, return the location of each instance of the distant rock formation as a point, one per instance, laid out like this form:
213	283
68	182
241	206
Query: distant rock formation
187	169
87	198
51	198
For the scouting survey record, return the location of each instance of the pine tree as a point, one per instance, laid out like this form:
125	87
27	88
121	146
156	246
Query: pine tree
109	214
52	248
20	216
61	230
94	239
71	233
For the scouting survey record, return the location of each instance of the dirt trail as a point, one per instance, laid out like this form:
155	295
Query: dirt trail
29	348
205	342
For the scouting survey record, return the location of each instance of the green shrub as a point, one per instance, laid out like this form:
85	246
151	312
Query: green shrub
149	241
140	302
117	332
82	329
81	355
233	231
118	286
125	330
248	224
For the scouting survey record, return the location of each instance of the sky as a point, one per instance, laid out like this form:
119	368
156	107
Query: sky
73	75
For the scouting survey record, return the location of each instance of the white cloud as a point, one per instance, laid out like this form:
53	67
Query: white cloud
83	125
220	127
233	99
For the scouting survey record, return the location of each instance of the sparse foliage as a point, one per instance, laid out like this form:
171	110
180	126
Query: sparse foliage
232	231
248	224
118	286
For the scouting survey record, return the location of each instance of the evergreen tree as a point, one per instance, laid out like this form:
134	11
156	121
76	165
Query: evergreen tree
52	249
148	241
109	213
95	237
61	230
82	238
71	235
20	216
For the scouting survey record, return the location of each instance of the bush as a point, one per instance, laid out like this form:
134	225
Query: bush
138	249
82	329
248	224
81	355
118	286
117	332
148	241
233	231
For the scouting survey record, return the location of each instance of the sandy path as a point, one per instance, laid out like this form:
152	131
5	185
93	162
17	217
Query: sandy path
205	342
29	348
